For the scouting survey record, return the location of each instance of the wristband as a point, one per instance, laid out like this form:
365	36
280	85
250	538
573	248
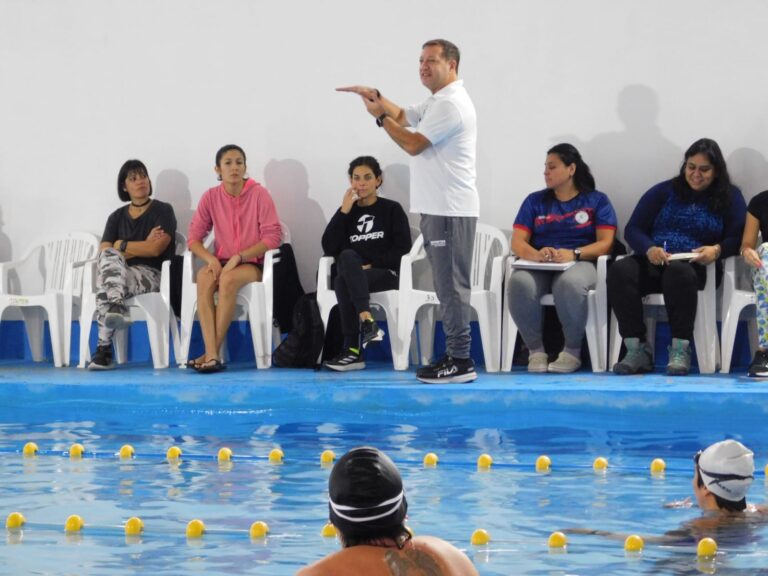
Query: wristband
380	120
123	246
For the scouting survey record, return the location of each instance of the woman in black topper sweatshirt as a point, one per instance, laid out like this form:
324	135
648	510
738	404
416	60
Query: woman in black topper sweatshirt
367	235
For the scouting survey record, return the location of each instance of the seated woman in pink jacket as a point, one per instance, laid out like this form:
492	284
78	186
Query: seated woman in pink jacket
245	224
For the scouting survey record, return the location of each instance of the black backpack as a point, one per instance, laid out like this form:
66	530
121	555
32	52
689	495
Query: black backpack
302	346
284	298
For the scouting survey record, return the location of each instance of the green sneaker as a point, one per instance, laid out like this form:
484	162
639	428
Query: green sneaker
637	360
679	357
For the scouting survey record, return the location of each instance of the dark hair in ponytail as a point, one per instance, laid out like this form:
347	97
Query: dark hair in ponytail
582	178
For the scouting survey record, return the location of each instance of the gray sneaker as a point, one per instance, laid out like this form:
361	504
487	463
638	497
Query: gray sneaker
538	362
679	357
637	360
564	364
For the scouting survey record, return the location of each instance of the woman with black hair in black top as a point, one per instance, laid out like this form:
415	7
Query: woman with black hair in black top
367	235
137	238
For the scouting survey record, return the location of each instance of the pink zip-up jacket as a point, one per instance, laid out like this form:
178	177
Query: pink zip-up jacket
238	222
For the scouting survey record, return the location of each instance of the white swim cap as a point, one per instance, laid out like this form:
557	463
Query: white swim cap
727	469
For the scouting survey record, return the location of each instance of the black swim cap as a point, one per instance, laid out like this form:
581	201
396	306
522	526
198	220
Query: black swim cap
365	493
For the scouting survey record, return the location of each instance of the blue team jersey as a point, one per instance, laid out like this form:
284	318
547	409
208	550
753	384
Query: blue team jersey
570	224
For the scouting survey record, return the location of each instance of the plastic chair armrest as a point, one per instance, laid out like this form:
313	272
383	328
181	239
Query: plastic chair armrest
188	267
324	273
271	257
22	269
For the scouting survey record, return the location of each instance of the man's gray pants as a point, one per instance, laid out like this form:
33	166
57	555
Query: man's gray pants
449	242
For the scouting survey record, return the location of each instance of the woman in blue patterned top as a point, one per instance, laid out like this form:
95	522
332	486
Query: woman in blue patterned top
568	221
699	211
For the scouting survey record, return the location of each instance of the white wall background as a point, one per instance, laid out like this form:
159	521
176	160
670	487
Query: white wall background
87	84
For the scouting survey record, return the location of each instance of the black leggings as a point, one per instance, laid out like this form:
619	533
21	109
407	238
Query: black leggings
353	286
633	277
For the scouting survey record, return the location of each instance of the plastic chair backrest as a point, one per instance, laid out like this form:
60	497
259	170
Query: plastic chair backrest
286	233
181	243
490	242
60	253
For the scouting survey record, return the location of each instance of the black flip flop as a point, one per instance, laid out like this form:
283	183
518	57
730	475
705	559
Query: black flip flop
210	366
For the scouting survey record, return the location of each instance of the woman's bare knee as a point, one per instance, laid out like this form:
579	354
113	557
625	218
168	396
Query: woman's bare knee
230	282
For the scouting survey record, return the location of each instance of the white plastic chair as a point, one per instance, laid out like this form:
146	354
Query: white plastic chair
387	301
704	327
490	250
737	302
254	301
153	307
48	281
596	329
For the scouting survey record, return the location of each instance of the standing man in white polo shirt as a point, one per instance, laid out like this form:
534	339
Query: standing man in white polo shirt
443	146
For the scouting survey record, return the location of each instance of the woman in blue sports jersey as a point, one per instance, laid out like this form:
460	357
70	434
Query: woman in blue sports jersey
568	221
698	216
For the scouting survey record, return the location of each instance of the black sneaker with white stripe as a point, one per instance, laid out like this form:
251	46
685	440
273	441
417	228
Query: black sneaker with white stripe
349	359
448	370
102	358
370	332
759	366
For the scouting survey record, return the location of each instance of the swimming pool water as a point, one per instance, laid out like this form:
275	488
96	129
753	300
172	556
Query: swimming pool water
514	419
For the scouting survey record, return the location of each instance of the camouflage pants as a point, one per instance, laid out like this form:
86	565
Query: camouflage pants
116	283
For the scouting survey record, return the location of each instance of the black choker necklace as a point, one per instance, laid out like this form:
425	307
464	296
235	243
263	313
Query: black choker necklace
141	205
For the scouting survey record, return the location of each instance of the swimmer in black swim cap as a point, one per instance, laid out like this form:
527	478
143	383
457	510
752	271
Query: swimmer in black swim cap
366	503
366	499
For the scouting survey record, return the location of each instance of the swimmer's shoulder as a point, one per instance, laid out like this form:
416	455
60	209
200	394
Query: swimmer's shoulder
336	564
452	560
427	553
368	560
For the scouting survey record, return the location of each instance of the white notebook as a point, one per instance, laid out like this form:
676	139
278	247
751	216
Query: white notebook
683	256
533	265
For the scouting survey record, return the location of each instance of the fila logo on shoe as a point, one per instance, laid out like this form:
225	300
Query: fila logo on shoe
447	371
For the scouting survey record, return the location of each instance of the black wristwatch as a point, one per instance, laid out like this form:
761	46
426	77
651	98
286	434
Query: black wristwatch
123	245
380	120
577	254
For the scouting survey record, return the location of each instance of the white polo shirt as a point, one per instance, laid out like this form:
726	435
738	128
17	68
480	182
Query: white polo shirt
443	176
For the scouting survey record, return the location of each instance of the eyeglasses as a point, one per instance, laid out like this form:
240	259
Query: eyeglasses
703	169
